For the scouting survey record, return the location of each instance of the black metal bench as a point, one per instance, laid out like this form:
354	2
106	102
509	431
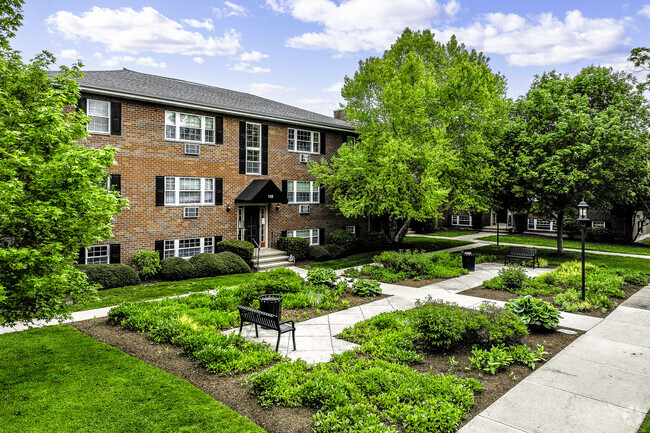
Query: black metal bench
267	320
523	254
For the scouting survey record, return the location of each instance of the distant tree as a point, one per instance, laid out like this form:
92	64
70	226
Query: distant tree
53	197
581	137
641	58
426	114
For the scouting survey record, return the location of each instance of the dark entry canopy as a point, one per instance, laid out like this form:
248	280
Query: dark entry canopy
262	191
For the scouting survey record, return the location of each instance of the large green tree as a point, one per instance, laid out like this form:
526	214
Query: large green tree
426	114
578	137
53	197
640	56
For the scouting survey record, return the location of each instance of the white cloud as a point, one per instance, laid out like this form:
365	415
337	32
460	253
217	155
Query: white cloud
141	61
206	23
323	106
130	31
70	54
246	67
230	10
198	60
253	56
543	40
357	25
98	56
263	89
334	88
645	11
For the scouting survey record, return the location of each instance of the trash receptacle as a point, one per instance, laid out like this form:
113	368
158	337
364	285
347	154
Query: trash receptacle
271	303
469	261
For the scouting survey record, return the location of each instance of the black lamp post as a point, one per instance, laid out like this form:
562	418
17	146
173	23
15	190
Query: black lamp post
583	220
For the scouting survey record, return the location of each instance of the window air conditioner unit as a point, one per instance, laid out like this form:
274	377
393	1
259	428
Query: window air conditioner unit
303	209
190	212
192	149
304	158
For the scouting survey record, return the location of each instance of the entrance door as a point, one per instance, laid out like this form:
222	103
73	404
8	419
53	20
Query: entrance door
252	224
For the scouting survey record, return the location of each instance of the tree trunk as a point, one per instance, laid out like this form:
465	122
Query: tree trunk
401	233
560	230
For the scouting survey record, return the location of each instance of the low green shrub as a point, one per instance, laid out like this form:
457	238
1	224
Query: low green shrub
513	277
297	247
147	263
352	272
571	301
243	249
176	268
336	251
374	241
205	265
499	357
366	288
631	277
535	312
501	326
322	276
343	239
278	280
231	263
110	276
319	253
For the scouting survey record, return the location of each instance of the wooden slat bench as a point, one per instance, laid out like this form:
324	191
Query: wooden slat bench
267	320
523	254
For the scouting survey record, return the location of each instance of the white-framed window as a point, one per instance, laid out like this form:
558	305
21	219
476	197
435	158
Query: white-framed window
253	148
461	220
189	127
303	141
351	229
181	191
100	116
98	254
311	234
302	191
598	224
187	248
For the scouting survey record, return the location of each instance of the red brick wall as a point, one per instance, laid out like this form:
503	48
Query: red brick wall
144	154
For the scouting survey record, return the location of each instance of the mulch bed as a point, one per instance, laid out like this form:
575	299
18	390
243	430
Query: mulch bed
229	391
503	295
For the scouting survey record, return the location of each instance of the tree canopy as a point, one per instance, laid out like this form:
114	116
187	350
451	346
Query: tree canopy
53	197
426	114
581	137
641	58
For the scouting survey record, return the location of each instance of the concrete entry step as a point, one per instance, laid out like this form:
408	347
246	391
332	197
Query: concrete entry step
270	258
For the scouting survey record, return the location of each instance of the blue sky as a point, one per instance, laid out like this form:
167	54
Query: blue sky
299	51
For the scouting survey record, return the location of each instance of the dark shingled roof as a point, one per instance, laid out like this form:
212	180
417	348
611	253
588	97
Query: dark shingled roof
127	83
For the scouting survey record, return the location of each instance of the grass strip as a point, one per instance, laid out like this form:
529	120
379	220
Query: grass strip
453	233
593	246
56	379
119	295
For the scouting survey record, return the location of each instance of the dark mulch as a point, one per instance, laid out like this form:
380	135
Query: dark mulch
503	295
229	391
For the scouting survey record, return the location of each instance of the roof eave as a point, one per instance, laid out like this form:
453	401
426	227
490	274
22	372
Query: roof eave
127	95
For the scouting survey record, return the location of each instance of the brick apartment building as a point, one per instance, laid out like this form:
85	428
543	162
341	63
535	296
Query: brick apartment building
199	164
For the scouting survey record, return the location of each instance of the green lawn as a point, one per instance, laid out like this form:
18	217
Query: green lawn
56	379
551	242
645	427
631	263
120	295
427	244
452	233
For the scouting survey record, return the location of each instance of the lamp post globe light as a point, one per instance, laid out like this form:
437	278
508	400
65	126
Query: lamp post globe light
583	220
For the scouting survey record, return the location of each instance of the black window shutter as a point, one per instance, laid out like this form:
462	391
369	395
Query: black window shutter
160	190
116	118
357	230
82	103
218	191
218	130
322	195
608	225
283	234
217	239
322	143
114	254
448	220
159	246
265	149
242	147
82	256
321	236
116	182
285	191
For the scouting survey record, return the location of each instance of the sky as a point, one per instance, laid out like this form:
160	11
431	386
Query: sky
299	51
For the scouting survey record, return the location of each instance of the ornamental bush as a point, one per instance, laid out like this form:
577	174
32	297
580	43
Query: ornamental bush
297	247
243	249
231	263
513	277
322	276
366	288
205	265
110	276
176	268
535	312
336	251
147	263
319	253
343	239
